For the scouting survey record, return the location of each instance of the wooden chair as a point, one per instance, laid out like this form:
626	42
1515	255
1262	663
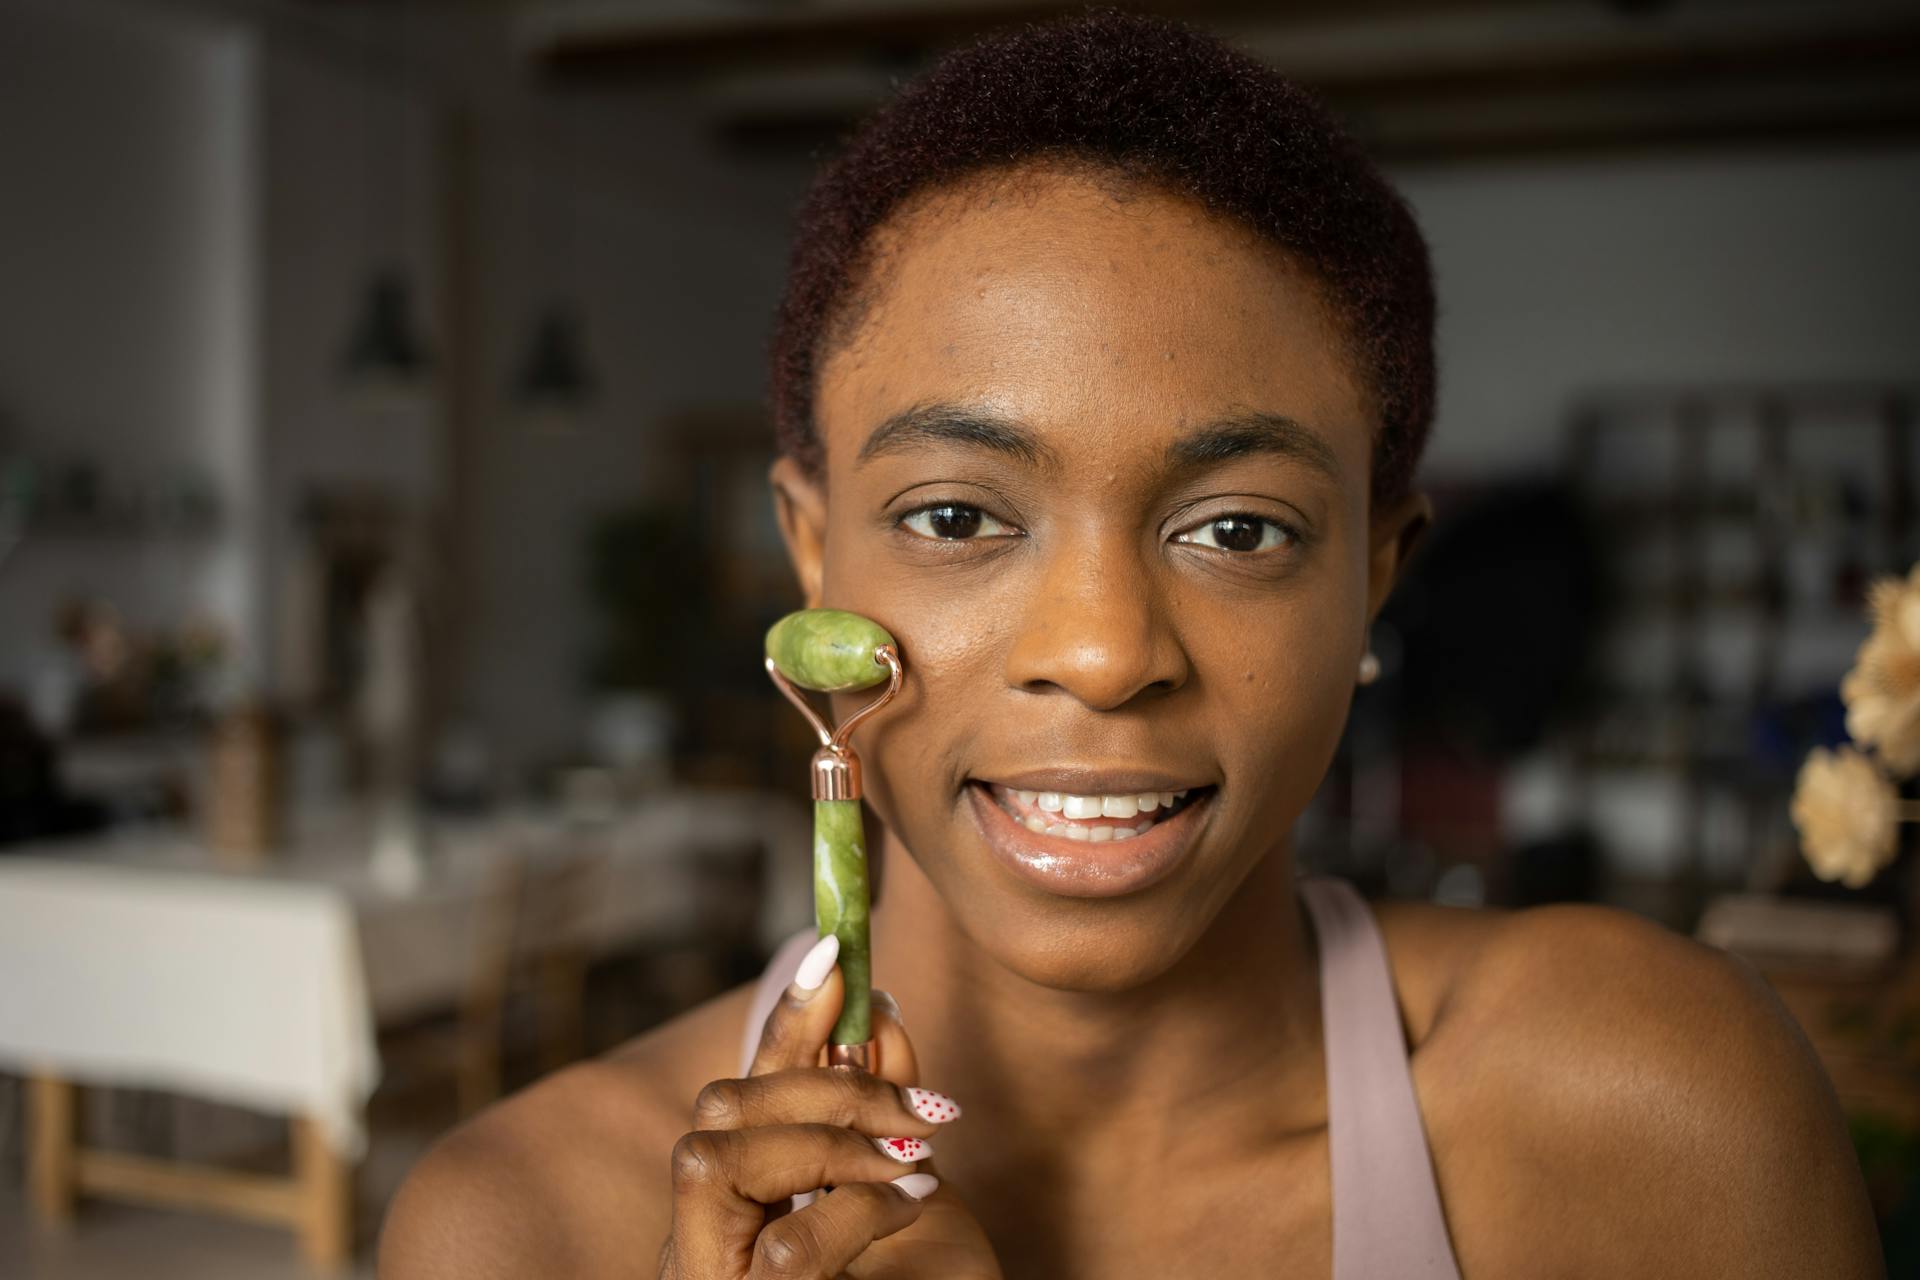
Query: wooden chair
532	953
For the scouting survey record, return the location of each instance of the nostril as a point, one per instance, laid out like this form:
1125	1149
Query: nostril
1098	694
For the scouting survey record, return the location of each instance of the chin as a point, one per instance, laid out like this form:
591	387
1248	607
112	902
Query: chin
1093	918
1088	957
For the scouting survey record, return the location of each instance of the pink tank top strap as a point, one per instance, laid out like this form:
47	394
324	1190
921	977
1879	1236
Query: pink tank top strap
1387	1217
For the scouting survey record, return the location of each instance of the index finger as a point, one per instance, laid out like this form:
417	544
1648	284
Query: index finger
897	1061
802	1019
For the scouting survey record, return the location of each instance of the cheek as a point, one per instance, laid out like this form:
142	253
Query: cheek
951	632
910	751
1280	682
1306	710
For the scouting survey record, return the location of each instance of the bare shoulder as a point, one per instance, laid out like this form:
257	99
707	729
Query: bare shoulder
571	1175
1604	1094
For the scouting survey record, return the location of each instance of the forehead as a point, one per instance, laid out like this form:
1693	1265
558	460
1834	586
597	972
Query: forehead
1106	316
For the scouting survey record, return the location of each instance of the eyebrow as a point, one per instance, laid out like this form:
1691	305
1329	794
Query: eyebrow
937	424
1237	435
1252	432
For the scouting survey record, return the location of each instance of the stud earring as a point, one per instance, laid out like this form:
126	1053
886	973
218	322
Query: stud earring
1369	668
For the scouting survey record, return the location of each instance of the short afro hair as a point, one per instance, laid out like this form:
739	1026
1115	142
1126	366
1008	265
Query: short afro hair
1149	100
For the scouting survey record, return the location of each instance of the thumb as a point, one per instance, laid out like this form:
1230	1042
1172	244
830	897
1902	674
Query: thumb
796	1031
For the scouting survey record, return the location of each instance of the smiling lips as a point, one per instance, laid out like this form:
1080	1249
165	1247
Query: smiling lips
1092	818
1090	845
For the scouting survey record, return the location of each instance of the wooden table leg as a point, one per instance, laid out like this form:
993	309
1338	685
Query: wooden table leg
326	1192
53	1145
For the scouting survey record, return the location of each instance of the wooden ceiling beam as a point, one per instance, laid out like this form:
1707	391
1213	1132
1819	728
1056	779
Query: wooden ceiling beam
599	41
1796	55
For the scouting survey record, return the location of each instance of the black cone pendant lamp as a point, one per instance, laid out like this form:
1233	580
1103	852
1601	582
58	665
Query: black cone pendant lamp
385	363
554	385
385	357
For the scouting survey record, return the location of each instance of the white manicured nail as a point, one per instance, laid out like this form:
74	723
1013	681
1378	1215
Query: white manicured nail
932	1106
917	1186
886	1004
817	964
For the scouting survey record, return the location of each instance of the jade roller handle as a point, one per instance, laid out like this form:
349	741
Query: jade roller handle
833	651
840	905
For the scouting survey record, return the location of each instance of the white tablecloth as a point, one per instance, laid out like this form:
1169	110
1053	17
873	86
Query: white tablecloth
138	959
245	991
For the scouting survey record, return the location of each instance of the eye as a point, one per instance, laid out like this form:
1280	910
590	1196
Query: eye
1239	532
954	522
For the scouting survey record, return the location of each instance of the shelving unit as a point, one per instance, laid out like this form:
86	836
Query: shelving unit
121	512
1742	525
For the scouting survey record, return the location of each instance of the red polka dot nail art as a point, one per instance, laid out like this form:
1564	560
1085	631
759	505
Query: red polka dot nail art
937	1108
905	1150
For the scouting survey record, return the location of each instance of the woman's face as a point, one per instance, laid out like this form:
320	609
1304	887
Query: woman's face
1100	462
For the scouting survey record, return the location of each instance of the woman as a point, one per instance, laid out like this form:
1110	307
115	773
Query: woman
1103	370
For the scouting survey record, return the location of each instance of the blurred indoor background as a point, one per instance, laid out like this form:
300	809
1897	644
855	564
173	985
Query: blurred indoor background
385	543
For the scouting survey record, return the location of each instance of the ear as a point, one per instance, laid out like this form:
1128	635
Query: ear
1395	533
801	508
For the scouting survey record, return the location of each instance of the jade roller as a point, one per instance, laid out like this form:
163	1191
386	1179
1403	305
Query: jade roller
832	651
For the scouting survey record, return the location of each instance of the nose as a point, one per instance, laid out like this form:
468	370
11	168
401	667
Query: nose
1098	629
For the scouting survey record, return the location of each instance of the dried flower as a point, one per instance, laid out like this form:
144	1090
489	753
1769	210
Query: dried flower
1882	692
1848	814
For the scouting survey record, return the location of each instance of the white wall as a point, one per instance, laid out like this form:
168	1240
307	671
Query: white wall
192	213
674	258
348	188
124	335
191	217
1559	277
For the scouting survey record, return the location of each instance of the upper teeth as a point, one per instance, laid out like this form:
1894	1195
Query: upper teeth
1115	806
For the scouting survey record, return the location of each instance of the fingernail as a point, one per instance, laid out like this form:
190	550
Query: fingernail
905	1150
885	1003
816	965
932	1106
917	1186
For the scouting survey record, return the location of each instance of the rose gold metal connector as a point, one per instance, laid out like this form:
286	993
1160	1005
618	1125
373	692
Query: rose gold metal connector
836	769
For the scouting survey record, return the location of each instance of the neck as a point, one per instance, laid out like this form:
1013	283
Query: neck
1231	1030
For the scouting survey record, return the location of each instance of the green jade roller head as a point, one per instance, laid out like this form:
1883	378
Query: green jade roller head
832	651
